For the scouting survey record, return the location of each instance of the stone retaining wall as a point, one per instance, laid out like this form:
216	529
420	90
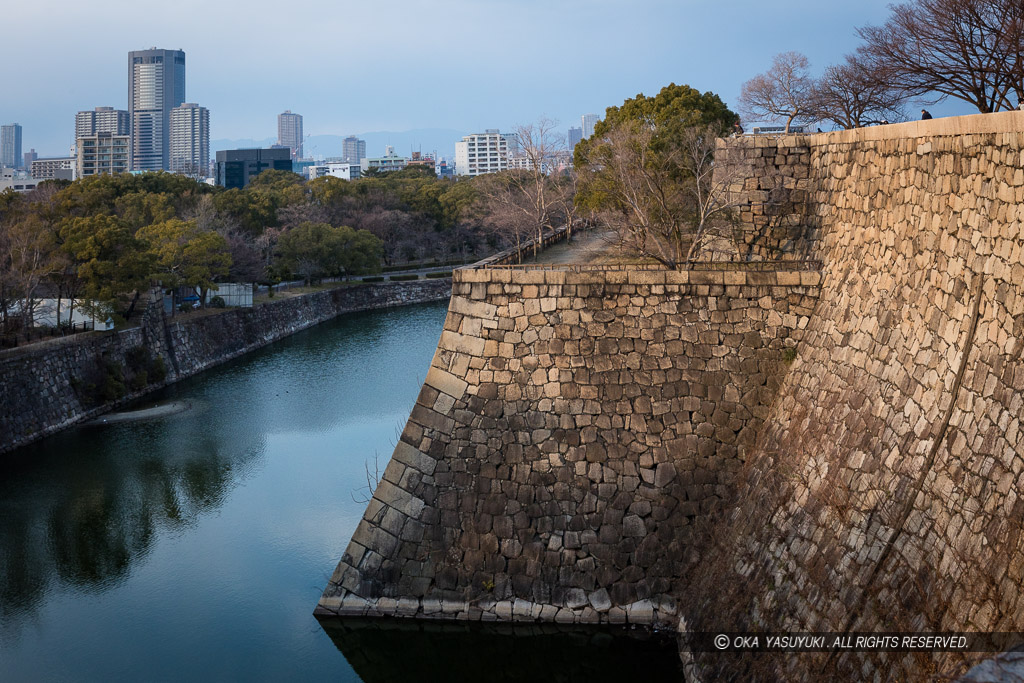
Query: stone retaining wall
54	386
899	426
571	426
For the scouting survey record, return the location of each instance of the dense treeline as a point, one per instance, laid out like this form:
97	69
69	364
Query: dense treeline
105	239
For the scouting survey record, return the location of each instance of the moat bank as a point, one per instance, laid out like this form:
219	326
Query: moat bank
54	386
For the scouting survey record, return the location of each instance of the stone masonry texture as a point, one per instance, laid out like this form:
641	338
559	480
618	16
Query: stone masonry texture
570	427
573	426
42	387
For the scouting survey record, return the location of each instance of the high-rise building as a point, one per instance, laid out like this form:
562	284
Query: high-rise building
190	139
486	152
289	132
237	167
102	153
156	85
102	120
575	135
10	145
29	157
589	121
353	149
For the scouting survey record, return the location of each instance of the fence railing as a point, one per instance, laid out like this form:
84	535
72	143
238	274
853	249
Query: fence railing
10	340
703	266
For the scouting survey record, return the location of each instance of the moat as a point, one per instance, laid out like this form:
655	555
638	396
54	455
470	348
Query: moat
194	545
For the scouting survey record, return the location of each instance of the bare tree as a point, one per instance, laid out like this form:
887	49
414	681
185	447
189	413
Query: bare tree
527	195
663	199
851	96
972	50
783	92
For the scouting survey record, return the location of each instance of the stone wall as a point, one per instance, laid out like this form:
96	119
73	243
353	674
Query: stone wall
572	425
54	385
898	429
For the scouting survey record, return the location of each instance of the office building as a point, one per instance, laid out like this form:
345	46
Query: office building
190	139
353	150
289	132
486	152
29	157
156	85
575	135
10	146
237	167
53	168
589	121
102	120
102	153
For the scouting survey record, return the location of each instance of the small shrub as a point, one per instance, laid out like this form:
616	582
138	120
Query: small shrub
375	278
446	273
139	380
137	358
113	387
217	302
789	355
158	369
405	278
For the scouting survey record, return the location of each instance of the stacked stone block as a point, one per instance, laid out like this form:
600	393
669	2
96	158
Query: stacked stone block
769	180
571	426
900	421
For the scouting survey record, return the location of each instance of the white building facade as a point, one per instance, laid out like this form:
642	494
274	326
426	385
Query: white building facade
190	139
480	153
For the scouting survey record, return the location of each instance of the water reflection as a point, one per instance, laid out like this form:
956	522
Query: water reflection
81	508
388	650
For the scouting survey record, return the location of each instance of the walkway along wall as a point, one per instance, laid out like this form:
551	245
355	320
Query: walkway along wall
51	387
885	492
572	425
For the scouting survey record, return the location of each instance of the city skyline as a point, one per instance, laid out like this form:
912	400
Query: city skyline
246	89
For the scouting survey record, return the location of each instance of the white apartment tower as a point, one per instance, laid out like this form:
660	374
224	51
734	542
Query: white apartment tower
589	121
190	139
480	153
102	120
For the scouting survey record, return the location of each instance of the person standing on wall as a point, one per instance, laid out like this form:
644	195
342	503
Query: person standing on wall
925	115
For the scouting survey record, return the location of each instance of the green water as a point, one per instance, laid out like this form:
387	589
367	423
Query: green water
195	546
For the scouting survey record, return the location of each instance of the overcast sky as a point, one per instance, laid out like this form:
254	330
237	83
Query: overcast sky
397	65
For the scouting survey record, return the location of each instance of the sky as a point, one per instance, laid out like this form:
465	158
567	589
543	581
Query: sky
397	65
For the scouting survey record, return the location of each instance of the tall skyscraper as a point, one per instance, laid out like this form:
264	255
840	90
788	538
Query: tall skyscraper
289	132
575	135
190	139
10	145
353	149
29	157
102	120
156	84
588	124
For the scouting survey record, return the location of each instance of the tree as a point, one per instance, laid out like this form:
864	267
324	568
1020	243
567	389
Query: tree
317	250
185	255
112	262
972	50
784	92
524	197
850	96
661	198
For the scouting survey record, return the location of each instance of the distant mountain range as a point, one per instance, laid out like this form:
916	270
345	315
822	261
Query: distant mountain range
427	140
